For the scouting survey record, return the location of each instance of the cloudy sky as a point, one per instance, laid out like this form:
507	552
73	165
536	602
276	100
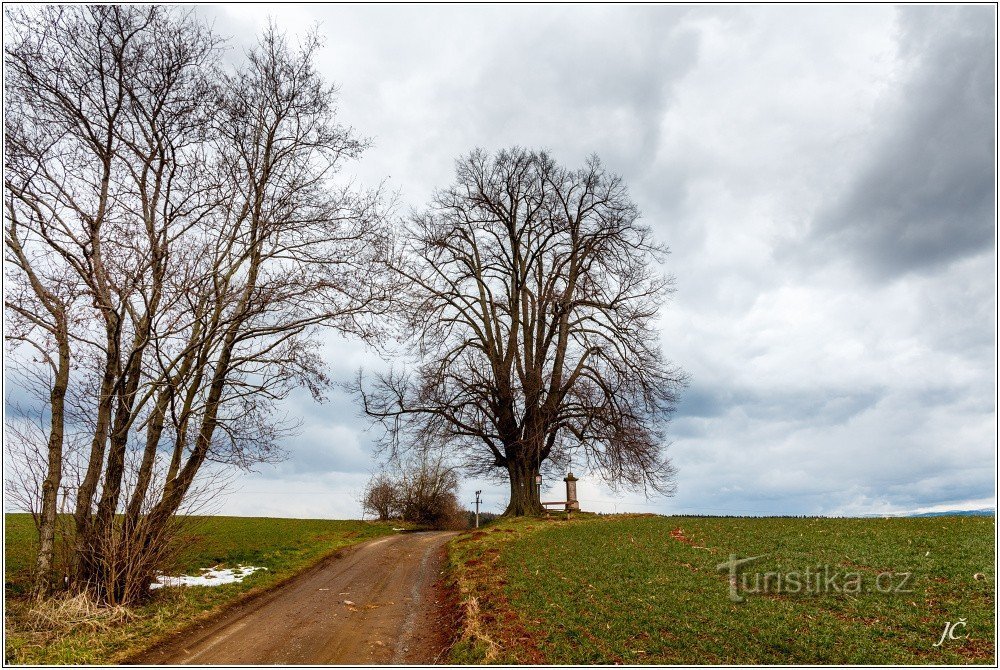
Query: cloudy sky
824	177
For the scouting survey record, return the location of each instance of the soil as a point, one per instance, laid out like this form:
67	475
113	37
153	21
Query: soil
380	602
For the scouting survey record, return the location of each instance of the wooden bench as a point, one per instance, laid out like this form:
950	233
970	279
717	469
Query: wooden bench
564	503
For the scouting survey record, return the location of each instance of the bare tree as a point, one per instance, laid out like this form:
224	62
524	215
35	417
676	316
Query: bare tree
421	489
179	234
288	251
39	319
531	324
381	497
427	491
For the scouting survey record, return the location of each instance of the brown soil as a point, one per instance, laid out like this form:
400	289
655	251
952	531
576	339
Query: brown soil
377	603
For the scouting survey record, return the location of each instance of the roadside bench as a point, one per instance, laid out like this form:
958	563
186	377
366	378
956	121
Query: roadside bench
571	504
562	503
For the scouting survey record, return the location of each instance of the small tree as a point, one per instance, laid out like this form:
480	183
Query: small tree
422	491
382	497
427	491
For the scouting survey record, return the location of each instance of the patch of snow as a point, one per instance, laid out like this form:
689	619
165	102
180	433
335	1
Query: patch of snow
208	577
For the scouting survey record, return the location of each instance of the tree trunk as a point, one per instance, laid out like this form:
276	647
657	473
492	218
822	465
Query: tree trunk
93	565
83	514
53	477
524	494
175	489
115	469
154	431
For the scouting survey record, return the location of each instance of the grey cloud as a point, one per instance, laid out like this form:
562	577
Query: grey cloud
942	487
925	194
889	450
823	405
842	484
702	402
319	450
333	438
584	83
820	406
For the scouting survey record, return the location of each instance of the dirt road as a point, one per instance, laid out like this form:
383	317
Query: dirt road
375	603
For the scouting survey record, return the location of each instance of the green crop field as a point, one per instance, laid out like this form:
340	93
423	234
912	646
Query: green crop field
648	589
283	546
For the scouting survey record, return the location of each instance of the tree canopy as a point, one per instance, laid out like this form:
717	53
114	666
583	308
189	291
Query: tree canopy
531	320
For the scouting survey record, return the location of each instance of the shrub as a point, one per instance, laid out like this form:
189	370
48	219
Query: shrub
424	493
382	497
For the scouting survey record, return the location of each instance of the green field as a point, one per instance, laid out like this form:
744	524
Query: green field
283	546
603	590
648	590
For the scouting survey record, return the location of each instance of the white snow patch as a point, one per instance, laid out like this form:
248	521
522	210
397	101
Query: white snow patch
208	577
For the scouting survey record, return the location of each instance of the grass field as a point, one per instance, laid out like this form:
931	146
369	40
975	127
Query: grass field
648	589
283	546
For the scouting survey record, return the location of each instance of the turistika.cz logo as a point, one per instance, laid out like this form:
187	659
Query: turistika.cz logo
813	580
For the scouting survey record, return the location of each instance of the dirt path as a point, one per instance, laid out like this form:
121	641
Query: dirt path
374	604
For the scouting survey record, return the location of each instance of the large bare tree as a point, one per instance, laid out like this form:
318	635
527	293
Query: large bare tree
531	320
176	235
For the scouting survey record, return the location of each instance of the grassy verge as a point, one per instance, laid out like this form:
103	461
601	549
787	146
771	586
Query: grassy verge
490	630
647	589
73	635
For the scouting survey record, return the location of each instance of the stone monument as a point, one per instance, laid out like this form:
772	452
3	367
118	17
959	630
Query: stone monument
572	504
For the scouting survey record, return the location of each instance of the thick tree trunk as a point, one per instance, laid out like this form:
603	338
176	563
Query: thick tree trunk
98	564
53	477
114	473
524	494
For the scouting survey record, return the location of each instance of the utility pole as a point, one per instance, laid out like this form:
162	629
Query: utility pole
478	500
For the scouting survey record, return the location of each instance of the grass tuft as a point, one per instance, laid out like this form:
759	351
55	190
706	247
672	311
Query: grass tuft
64	614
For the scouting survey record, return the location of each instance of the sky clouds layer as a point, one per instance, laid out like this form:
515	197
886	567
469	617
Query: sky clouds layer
824	177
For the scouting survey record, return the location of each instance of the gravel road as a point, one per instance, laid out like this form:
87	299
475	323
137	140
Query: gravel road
374	603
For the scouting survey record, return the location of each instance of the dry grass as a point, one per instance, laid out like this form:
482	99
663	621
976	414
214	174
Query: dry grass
474	632
38	626
72	613
491	631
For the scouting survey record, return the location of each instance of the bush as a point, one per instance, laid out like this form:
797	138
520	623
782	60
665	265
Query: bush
381	497
424	493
